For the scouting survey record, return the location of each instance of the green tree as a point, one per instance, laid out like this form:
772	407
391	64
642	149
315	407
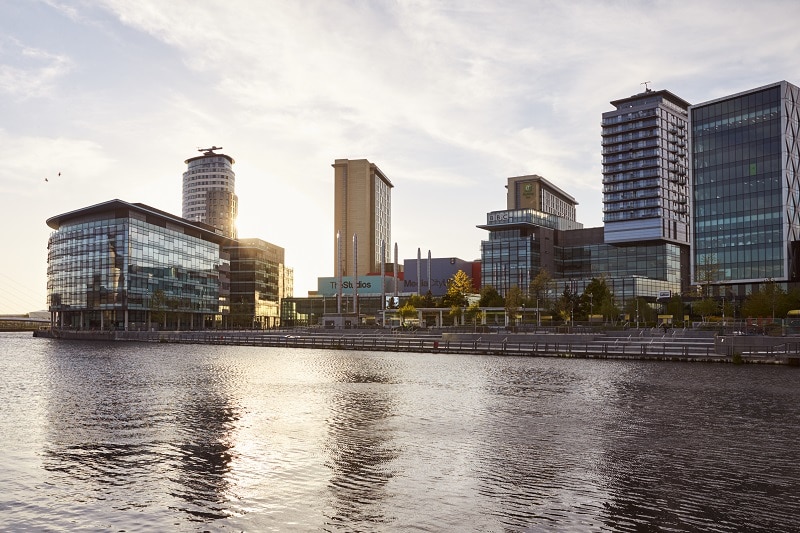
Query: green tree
675	307
513	302
639	305
406	311
473	313
565	305
417	300
610	310
456	311
770	300
596	296
541	287
793	299
428	300
491	298
705	308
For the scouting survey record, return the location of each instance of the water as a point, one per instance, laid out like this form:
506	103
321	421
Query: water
161	437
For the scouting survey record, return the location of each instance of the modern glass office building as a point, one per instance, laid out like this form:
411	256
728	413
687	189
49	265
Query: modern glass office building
521	242
644	270
745	161
118	265
259	281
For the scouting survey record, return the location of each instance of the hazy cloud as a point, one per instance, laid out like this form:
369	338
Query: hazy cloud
448	97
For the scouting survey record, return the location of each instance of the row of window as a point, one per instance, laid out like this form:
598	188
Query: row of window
746	153
87	263
749	102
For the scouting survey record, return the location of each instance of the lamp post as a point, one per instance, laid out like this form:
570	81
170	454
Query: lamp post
538	315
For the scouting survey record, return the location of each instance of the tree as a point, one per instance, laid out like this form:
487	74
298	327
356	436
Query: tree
566	304
540	287
596	297
428	300
676	309
406	311
770	300
639	306
706	307
708	272
456	312
459	287
513	301
416	300
491	298
610	310
472	313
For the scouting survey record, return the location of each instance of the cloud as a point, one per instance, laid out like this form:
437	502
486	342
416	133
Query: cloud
448	97
27	72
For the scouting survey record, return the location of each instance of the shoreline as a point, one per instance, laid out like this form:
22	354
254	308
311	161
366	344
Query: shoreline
685	348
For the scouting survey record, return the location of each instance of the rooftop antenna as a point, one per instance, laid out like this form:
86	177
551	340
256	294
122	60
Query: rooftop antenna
646	88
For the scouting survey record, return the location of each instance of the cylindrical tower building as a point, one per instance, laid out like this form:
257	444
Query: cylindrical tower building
208	191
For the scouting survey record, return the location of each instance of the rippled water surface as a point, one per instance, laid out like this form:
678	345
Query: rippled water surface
161	437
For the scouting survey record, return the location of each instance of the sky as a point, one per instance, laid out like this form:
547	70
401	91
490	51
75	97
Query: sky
105	99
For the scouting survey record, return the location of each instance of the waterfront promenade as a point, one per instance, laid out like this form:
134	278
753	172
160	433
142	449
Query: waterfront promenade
643	344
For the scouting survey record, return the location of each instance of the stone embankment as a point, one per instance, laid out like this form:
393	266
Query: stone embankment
677	345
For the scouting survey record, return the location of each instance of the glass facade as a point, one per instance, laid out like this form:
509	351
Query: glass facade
523	242
660	261
632	270
520	244
118	265
310	311
532	217
509	261
745	172
257	284
383	220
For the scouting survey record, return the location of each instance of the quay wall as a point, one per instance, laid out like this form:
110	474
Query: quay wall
593	346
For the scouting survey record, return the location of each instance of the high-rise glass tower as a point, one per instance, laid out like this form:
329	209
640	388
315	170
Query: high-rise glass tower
208	191
362	207
645	169
746	172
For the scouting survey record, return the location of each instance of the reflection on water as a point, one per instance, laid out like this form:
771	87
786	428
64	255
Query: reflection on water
139	427
360	446
206	421
140	437
712	460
